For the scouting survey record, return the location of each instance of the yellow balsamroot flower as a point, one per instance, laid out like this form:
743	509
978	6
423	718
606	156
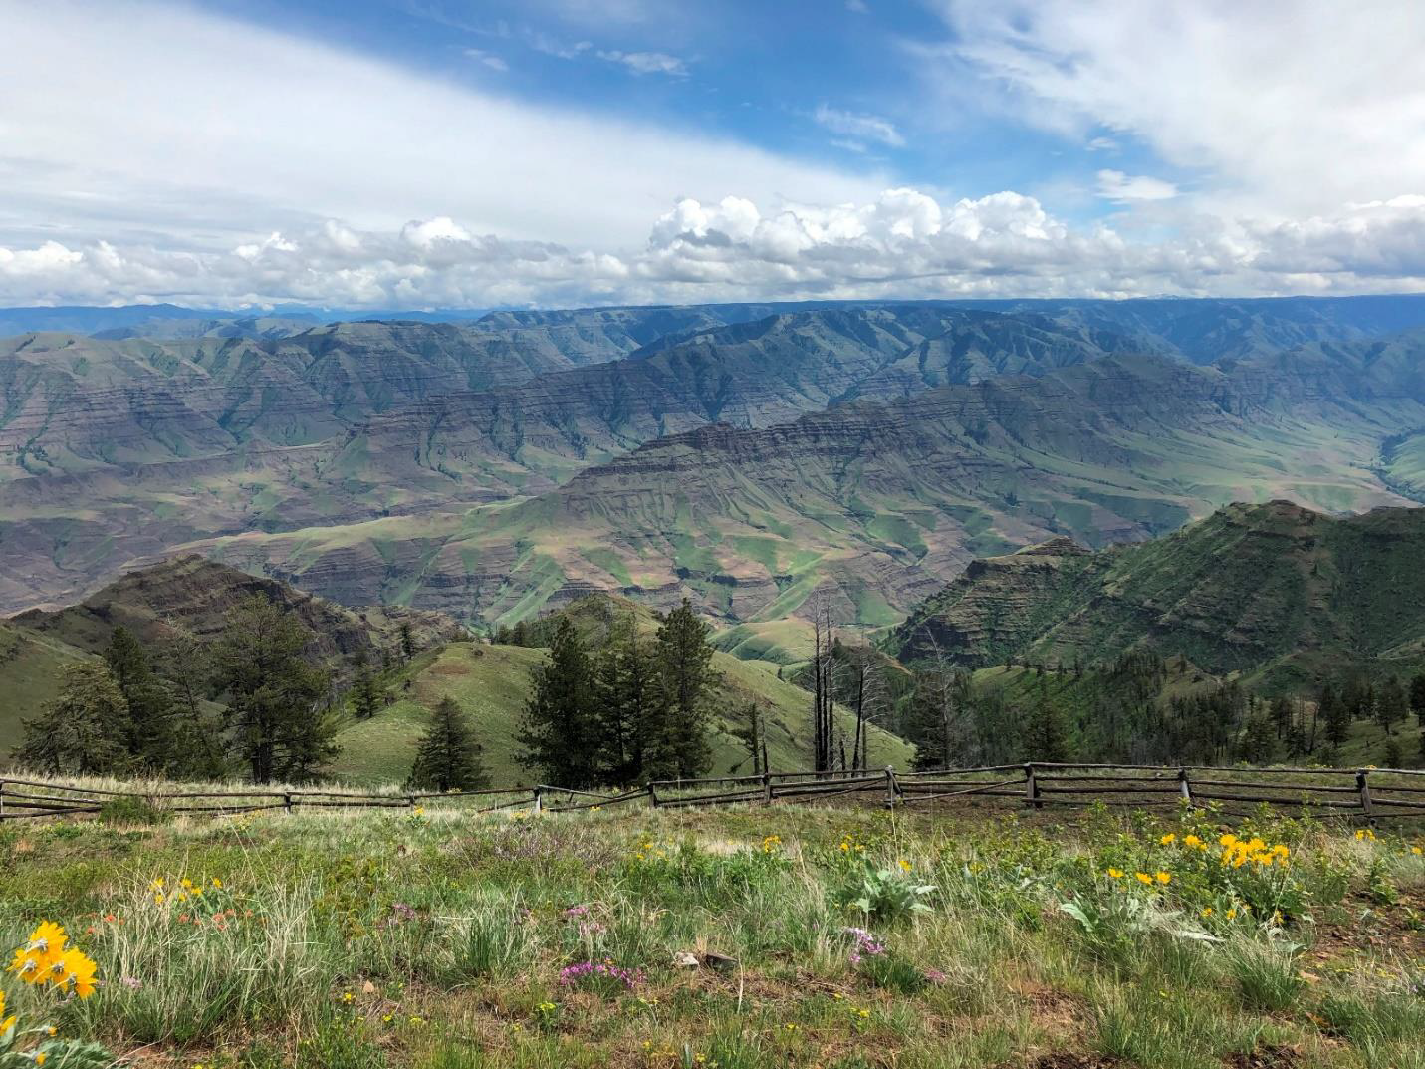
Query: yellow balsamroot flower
1415	850
1228	839
905	865
1168	839
80	970
1194	842
8	1022
1116	874
1144	878
1163	877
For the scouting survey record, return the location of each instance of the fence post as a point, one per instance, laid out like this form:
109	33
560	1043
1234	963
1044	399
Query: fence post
2	801
287	801
1365	790
1183	785
890	787
538	800
766	788
1031	788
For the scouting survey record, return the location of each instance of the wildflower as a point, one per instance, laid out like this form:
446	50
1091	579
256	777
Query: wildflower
1167	839
348	997
8	1022
1163	877
80	971
1207	911
1143	878
905	865
1415	850
1194	842
1116	874
217	884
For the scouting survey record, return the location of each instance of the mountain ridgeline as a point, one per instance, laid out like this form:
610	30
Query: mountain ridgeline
1272	593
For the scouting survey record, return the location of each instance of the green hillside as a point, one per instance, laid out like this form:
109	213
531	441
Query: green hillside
1275	593
30	667
491	683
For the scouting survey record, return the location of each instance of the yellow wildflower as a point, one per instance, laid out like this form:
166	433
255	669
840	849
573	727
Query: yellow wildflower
1167	839
905	865
1144	878
1162	877
1116	874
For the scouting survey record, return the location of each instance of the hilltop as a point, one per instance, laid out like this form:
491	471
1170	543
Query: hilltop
492	681
1276	591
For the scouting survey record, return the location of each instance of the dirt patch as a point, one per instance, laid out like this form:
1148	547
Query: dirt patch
1269	1057
1065	1060
449	668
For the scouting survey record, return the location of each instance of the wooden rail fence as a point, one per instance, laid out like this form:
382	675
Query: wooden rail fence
1371	794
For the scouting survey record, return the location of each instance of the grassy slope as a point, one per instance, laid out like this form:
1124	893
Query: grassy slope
492	682
30	667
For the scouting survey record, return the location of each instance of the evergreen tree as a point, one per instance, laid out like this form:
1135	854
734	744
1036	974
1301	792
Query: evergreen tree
1046	734
560	733
364	698
1282	712
1417	696
1258	745
685	668
632	708
408	642
146	732
273	694
198	750
448	758
81	730
1393	756
1335	715
1391	706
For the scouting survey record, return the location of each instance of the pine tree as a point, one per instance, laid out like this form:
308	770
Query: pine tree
1393	757
1392	705
1046	736
632	708
751	730
560	733
81	730
408	642
1258	744
448	758
1335	715
147	730
273	694
364	698
198	749
1417	696
685	669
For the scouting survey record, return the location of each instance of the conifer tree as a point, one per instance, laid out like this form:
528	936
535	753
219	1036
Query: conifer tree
685	667
408	642
1046	736
632	714
1391	704
1417	696
751	731
560	732
147	730
273	694
1335	715
448	757
364	699
81	729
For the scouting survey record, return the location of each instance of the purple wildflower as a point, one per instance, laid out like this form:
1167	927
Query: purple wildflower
867	946
600	970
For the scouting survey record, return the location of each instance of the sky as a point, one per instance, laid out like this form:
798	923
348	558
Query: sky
443	154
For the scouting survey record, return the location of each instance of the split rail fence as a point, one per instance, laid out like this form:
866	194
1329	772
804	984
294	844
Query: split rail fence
1369	794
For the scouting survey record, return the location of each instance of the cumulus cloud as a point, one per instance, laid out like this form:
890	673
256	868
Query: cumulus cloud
865	127
901	243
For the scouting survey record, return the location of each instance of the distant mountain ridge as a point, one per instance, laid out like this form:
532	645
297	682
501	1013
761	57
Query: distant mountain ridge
1275	590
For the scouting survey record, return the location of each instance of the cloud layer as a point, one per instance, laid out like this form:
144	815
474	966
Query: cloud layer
901	243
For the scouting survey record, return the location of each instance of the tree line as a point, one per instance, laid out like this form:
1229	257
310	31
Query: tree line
248	702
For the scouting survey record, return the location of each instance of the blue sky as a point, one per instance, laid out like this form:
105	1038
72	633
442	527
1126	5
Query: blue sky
455	153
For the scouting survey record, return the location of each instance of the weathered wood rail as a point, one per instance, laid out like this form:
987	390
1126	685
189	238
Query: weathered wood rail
1370	794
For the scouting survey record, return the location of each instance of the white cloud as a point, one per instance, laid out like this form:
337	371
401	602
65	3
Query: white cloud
647	62
1117	186
865	127
901	243
164	133
1290	109
858	6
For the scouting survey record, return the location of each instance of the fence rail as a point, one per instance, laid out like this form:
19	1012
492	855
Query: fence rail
1372	794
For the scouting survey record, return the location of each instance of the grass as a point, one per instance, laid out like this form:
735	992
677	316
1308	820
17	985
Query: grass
441	940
